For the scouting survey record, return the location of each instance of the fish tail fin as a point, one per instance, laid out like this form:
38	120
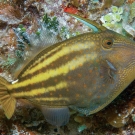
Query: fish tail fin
6	100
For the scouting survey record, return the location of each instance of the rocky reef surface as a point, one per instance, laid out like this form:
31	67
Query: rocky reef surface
23	24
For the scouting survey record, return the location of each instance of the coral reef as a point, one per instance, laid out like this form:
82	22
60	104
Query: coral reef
112	20
120	19
23	28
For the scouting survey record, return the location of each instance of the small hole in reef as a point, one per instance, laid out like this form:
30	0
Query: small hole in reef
55	130
58	134
100	1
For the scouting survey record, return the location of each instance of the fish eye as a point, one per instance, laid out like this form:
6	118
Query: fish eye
107	43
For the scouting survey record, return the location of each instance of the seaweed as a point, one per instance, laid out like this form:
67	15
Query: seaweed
9	62
22	40
50	23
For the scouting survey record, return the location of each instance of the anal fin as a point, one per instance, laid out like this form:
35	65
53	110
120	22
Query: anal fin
56	116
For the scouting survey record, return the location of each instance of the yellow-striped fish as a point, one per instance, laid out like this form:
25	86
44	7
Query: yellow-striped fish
85	73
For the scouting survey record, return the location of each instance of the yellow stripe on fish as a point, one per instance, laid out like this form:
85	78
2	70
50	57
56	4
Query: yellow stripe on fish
40	59
64	69
41	90
65	51
52	99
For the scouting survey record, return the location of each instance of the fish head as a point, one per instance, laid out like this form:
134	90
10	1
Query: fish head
119	52
117	64
113	72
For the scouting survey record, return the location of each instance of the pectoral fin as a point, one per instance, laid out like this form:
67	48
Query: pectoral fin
56	116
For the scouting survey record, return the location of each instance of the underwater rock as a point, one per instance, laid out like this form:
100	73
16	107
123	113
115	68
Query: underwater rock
130	1
120	112
116	117
109	3
7	47
118	2
129	30
132	11
10	14
27	118
75	3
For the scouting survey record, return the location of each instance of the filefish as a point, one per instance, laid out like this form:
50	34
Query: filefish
85	73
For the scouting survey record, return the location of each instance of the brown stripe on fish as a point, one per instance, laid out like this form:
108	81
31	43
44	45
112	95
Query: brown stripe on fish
46	82
64	69
55	64
37	85
57	89
65	50
45	56
81	87
40	58
40	90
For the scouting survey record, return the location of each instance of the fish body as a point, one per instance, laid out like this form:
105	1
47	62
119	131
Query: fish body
85	73
59	76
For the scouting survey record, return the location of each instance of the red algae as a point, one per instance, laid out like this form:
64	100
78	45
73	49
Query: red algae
71	10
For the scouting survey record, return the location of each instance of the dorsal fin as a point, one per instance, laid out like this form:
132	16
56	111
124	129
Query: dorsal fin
91	24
